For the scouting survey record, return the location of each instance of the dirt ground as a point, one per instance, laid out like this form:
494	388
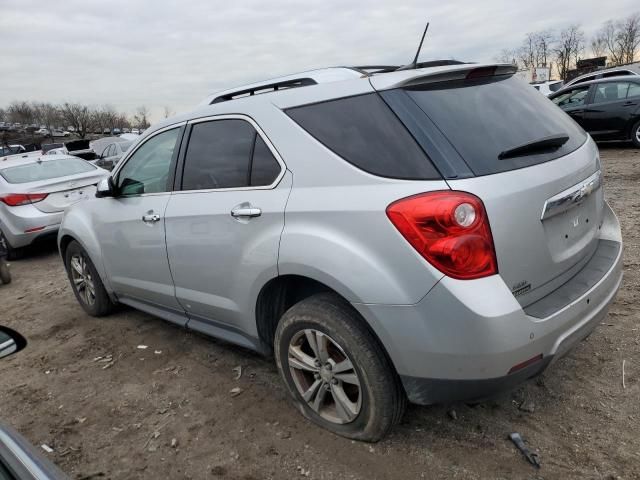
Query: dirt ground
112	410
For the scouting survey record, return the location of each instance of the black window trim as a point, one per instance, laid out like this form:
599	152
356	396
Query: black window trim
172	166
177	186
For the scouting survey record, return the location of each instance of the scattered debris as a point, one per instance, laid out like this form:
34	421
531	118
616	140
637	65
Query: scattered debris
623	384
235	391
284	435
302	471
81	419
108	365
47	448
157	352
156	434
174	443
532	458
142	347
527	406
238	371
453	415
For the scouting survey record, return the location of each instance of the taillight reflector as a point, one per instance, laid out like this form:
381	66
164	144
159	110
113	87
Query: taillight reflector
450	230
17	199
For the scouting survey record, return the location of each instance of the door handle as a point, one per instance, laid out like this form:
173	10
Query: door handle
246	212
151	218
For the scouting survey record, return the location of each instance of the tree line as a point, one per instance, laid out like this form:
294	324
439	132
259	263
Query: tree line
618	40
82	118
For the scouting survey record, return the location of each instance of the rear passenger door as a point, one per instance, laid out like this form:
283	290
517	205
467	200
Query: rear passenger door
224	223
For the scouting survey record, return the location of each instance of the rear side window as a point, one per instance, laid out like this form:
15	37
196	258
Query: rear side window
365	132
227	154
485	117
610	92
634	90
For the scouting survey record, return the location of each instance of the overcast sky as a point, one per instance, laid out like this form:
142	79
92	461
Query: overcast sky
155	53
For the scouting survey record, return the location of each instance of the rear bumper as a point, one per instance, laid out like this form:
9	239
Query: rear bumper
463	339
16	222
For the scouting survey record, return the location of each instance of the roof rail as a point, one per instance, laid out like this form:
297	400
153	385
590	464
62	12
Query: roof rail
271	87
303	79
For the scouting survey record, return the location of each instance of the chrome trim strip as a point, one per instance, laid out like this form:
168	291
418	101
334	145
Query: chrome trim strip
571	197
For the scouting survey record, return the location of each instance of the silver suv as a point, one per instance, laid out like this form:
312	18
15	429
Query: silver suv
428	235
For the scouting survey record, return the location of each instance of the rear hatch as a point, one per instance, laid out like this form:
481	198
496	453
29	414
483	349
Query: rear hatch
65	180
535	169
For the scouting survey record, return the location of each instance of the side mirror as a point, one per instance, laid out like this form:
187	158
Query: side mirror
10	342
105	188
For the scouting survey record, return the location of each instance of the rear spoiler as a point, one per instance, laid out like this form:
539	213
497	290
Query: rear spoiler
409	78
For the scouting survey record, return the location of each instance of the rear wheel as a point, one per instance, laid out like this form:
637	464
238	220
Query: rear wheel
336	371
86	283
635	134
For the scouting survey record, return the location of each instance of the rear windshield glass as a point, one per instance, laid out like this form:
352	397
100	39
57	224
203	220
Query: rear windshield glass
554	87
45	170
484	118
365	132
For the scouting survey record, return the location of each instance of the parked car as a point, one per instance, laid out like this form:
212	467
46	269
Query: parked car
135	131
34	191
43	131
48	147
60	133
548	87
381	254
111	155
608	108
11	150
115	131
632	69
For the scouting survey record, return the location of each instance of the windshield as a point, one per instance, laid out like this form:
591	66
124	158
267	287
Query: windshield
46	170
483	118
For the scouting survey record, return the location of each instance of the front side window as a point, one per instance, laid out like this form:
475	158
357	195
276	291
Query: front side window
147	170
572	98
227	154
610	92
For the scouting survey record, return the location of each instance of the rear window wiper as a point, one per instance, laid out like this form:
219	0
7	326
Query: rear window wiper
551	142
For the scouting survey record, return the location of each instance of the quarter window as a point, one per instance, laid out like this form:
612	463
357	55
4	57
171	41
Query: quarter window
227	154
147	170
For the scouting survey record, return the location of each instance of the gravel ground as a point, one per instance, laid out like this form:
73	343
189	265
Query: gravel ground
112	410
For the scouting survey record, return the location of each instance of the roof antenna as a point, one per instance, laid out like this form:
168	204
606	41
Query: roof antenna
413	65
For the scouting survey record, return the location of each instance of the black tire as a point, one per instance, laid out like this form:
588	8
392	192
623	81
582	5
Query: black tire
5	274
635	134
381	398
102	304
12	253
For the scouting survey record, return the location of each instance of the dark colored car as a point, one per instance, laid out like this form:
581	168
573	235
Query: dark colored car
608	108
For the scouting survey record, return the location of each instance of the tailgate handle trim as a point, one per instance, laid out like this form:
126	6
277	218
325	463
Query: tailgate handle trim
572	197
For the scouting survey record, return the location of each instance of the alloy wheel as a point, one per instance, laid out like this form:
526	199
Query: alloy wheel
82	279
325	376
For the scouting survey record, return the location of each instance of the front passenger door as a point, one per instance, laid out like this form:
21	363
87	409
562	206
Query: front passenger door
131	226
573	103
224	224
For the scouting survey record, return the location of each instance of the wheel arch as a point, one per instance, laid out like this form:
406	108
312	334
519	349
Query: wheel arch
282	292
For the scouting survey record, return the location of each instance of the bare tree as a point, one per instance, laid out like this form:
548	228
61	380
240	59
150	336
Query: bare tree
140	118
48	115
599	45
168	112
78	116
507	55
20	112
568	49
629	37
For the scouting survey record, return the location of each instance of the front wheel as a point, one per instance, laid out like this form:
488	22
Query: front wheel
86	283
336	371
635	134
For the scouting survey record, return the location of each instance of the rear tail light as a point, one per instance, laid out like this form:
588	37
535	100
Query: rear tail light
17	199
450	230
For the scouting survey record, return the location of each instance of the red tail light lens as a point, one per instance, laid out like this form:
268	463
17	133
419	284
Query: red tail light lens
17	199
450	230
